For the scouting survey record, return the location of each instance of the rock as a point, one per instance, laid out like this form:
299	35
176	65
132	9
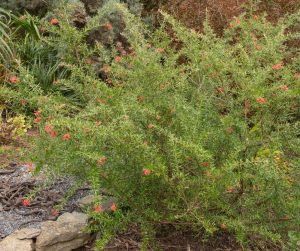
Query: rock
65	234
20	239
27	233
12	244
86	201
106	202
74	217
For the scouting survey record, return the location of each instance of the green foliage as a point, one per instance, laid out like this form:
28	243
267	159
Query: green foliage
204	134
5	50
12	127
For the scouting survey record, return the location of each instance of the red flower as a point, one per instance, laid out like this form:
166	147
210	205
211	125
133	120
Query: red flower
30	166
98	123
109	81
113	207
229	130
38	120
146	172
26	202
118	59
237	21
106	68
229	189
37	113
205	164
14	80
108	26
101	161
277	66
220	90
140	98
257	47
101	101
160	50
48	128
22	18
23	102
261	100
296	75
284	87
54	212
145	142
98	209
150	126
54	21
67	136
55	82
53	134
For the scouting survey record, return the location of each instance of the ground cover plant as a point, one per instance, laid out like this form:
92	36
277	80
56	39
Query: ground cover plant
186	130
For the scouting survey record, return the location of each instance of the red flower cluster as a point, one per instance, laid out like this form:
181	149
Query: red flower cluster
284	87
118	59
205	164
146	172
50	131
261	100
229	130
54	21
66	136
113	207
150	126
106	68
29	166
14	80
38	117
229	189
54	212
26	202
98	209
108	26
101	161
277	66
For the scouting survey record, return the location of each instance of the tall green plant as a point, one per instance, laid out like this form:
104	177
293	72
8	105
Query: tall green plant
5	49
187	129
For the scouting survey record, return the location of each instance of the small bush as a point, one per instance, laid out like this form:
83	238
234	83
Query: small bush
211	141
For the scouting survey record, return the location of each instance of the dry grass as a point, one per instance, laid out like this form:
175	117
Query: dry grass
193	12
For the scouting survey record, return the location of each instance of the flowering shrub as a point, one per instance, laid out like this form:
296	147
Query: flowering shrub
211	141
11	127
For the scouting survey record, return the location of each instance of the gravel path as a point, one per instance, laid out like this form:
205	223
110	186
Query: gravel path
15	182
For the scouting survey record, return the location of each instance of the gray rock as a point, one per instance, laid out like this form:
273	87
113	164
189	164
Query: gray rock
74	218
86	201
20	240
65	234
27	233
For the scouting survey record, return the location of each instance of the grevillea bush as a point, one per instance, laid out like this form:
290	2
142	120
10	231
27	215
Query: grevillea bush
185	129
